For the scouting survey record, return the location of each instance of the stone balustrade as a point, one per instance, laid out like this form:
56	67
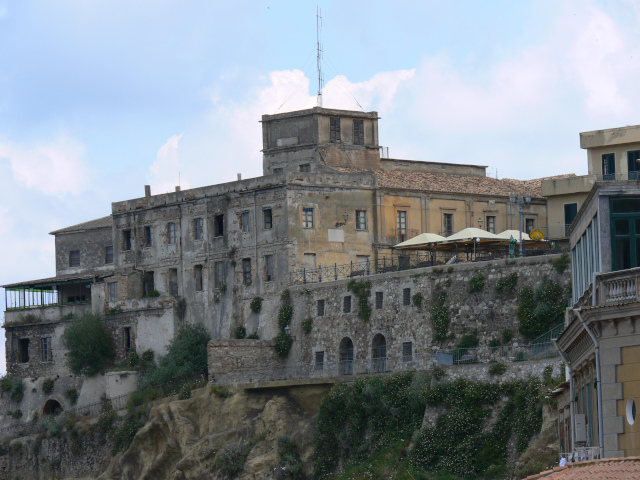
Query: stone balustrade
617	286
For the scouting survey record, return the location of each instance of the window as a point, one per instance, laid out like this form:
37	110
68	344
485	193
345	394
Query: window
246	271
608	166
197	229
74	258
148	283
319	360
407	352
126	340
346	304
269	268
491	224
267	219
401	225
305	167
633	162
171	232
23	350
113	291
379	300
245	219
406	296
361	219
307	218
447	224
108	255
47	354
219	274
334	130
126	240
148	236
625	233
358	132
570	212
529	225
320	308
173	281
218	225
278	170
197	272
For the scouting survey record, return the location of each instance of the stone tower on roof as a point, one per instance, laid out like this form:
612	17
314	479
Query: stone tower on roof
304	139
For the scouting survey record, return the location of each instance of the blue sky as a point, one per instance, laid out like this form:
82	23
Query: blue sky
99	98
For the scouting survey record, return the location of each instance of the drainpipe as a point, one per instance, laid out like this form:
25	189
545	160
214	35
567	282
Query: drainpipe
595	341
571	407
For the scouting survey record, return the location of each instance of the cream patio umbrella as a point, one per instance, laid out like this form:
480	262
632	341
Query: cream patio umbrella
422	241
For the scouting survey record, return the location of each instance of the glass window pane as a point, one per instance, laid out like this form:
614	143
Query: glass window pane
626	205
622	227
623	253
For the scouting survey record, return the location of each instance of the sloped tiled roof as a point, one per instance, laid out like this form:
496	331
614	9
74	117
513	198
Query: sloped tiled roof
450	183
608	468
103	222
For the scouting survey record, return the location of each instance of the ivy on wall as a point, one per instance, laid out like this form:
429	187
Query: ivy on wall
283	341
541	309
362	290
440	316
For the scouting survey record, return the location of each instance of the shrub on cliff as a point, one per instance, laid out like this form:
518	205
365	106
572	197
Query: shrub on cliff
89	344
186	355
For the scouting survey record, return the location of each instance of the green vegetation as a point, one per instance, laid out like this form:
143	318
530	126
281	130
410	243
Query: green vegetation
253	336
256	305
440	316
13	386
507	284
72	395
507	336
362	290
438	372
494	342
368	427
219	391
289	457
476	283
470	340
152	294
232	457
497	369
17	414
89	345
450	270
241	332
417	299
186	355
307	324
540	309
561	263
283	341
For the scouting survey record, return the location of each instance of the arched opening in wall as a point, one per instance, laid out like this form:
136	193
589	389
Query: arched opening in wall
379	353
52	407
346	356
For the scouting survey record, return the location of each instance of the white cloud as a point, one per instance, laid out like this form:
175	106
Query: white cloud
165	173
54	168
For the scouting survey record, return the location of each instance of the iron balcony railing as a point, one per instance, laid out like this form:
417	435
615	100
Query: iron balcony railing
519	353
581	454
398	262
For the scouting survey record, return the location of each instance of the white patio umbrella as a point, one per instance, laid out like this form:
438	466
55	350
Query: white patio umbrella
421	240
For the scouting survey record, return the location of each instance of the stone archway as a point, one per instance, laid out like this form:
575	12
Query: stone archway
379	353
346	356
52	407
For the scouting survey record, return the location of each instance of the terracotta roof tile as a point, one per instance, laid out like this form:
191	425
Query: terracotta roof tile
608	468
449	183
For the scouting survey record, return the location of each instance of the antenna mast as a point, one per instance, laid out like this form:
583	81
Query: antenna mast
320	77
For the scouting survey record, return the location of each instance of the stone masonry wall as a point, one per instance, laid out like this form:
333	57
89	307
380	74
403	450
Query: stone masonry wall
400	323
237	360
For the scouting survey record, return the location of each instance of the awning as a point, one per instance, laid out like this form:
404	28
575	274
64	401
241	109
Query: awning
469	234
46	283
423	239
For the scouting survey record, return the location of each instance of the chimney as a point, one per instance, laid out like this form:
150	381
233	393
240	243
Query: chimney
147	191
239	176
177	188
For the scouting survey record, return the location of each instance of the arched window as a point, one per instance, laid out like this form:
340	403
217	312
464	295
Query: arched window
379	353
346	356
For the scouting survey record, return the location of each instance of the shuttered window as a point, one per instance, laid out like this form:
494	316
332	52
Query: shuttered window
407	352
358	132
320	308
334	130
74	258
406	296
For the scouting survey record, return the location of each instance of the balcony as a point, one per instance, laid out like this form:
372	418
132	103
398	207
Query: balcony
617	287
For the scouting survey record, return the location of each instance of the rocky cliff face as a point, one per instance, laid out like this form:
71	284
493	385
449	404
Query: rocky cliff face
185	439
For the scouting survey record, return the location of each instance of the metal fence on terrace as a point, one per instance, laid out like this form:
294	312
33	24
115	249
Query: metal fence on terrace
399	262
